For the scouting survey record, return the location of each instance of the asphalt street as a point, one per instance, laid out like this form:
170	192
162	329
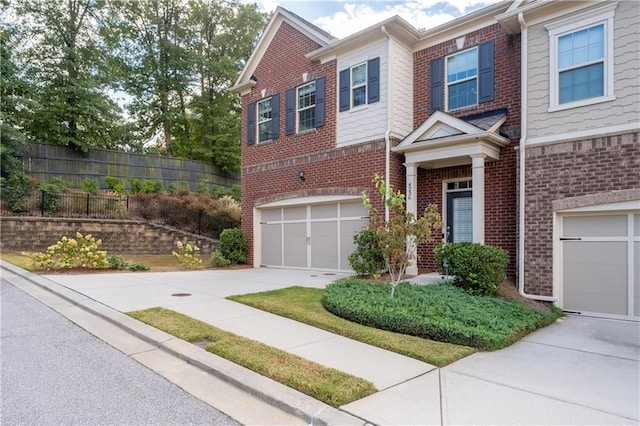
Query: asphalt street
54	373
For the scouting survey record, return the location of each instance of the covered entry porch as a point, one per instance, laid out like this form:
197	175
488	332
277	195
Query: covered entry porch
445	141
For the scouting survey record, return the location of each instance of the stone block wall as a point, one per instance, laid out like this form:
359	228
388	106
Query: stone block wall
19	234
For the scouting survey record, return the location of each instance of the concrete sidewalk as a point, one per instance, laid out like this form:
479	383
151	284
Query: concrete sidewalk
578	371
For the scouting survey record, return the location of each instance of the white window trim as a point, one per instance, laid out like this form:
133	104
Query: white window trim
365	84
590	19
258	122
298	109
446	80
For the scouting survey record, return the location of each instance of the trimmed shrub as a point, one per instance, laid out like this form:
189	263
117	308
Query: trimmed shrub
367	258
114	184
478	269
145	186
117	262
438	312
233	245
218	260
90	186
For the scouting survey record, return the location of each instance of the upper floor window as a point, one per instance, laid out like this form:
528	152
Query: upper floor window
360	84
264	120
581	71
462	79
306	107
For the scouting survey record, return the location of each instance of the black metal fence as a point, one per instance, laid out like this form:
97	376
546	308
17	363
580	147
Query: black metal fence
115	206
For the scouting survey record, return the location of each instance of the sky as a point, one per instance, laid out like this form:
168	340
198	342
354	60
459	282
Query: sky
345	17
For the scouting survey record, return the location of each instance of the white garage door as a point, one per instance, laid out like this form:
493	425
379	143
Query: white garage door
600	264
317	236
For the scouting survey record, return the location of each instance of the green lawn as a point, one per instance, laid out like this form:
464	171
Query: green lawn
331	386
304	305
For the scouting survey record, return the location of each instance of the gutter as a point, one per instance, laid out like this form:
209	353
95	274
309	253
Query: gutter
523	138
387	134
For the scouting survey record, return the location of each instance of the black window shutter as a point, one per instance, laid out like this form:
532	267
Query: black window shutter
436	92
486	72
373	73
251	124
320	102
275	116
289	112
345	87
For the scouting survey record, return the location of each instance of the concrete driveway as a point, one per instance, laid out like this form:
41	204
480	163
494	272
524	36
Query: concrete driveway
579	370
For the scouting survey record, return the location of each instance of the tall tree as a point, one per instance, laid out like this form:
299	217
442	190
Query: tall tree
63	58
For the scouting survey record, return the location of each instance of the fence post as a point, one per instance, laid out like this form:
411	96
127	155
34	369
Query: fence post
199	222
87	204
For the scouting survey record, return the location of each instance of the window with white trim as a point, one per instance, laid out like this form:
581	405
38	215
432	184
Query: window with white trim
462	79
581	60
306	101
359	85
264	120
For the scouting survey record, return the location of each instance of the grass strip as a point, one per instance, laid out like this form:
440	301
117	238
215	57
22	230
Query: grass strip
304	305
328	385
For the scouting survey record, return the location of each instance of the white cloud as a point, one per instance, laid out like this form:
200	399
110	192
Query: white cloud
422	14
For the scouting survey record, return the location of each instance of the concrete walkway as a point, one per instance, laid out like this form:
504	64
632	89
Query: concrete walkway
577	371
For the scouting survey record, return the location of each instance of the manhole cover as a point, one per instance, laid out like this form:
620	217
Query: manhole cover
328	273
181	294
313	276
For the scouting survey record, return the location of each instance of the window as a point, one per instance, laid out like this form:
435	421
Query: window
307	107
264	120
581	59
359	85
462	79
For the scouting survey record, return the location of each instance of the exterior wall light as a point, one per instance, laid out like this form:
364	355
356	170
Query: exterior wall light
301	175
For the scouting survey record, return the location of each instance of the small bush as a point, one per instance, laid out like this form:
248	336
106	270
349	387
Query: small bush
90	186
145	187
233	245
52	191
367	258
117	262
16	191
114	184
232	191
187	255
439	312
218	260
81	252
478	269
137	266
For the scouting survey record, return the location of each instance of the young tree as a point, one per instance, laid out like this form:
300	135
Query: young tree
400	235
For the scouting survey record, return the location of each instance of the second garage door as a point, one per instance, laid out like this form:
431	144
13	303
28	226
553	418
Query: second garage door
316	236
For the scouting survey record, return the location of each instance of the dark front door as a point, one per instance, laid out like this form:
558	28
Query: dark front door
459	216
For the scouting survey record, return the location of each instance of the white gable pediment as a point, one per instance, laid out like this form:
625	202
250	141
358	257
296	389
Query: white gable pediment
440	125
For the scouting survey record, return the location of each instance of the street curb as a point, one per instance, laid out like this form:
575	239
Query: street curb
276	394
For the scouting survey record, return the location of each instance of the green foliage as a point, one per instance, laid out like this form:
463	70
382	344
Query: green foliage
114	184
233	245
178	188
368	257
52	191
137	266
90	186
117	262
400	235
16	191
227	191
218	260
187	255
79	252
478	269
439	311
145	187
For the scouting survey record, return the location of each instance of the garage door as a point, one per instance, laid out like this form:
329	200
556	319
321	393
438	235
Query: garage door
600	264
317	236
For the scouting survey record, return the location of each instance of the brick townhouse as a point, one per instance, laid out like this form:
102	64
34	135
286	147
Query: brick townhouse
444	114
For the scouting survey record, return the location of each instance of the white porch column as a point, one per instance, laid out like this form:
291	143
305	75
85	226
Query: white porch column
477	174
412	207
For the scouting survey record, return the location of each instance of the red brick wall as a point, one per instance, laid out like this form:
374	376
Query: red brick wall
500	176
570	169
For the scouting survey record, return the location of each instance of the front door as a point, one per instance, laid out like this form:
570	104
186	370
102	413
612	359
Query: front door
459	216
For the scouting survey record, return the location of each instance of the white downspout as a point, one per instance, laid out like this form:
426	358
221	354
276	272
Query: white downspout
387	134
523	138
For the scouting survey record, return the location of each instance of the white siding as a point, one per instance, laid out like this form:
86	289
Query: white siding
401	90
367	122
624	110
